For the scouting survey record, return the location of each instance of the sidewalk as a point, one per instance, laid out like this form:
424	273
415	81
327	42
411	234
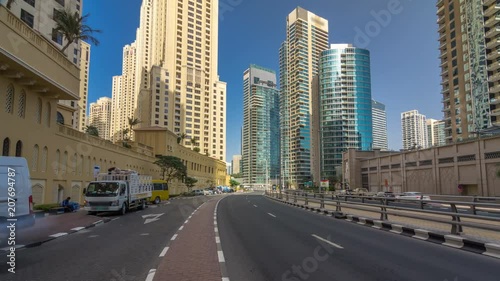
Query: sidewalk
51	227
193	255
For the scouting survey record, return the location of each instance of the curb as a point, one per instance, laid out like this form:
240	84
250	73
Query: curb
453	241
38	243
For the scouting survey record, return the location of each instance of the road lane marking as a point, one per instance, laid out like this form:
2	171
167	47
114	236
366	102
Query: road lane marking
217	239
164	252
327	241
93	236
58	234
225	279
180	228
220	254
151	275
255	206
114	219
144	234
271	215
173	237
216	229
78	228
186	221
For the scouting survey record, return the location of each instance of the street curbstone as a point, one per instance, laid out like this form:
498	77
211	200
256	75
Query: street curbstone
349	218
396	228
377	224
361	221
453	241
421	234
492	250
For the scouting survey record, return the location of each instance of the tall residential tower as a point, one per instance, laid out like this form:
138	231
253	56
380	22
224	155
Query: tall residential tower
344	105
414	130
379	125
260	162
100	116
469	39
306	38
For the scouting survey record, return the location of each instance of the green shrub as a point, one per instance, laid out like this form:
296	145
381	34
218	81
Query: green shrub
46	207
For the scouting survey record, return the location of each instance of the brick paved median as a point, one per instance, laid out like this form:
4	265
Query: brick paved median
192	256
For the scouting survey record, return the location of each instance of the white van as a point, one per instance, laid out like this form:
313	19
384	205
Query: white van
16	200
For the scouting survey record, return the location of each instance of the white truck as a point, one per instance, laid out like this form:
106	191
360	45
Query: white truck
118	191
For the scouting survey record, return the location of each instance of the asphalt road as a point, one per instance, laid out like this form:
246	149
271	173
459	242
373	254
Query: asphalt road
124	249
265	240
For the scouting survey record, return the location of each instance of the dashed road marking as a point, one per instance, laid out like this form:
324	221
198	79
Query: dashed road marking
327	241
144	234
163	252
220	255
58	234
186	221
180	228
78	228
151	275
255	206
216	229
271	215
173	237
217	239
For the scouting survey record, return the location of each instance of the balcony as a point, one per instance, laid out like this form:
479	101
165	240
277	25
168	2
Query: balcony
495	89
494	54
494	66
495	101
488	2
493	32
494	78
492	10
495	112
492	21
495	42
33	60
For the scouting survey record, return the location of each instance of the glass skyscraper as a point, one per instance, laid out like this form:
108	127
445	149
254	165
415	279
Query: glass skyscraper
260	162
345	104
379	117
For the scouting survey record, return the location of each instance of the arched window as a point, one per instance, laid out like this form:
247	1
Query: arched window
19	148
60	118
63	162
6	147
43	164
9	99
57	162
47	115
80	166
38	111
21	110
34	158
74	163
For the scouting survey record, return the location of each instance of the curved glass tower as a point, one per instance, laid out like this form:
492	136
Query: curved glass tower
345	104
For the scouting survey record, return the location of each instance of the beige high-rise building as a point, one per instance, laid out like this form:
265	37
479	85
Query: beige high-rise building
306	38
100	116
469	38
414	129
39	15
124	95
177	86
435	132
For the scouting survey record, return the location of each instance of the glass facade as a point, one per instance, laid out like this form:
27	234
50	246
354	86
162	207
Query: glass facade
345	104
260	161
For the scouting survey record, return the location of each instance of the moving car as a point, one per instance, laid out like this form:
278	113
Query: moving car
414	196
207	191
198	192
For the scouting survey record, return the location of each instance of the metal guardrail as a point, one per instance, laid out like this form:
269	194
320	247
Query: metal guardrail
386	206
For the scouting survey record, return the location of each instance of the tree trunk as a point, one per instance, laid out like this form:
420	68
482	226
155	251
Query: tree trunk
66	46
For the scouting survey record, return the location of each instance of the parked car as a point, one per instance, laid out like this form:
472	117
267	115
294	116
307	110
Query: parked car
414	196
207	191
198	192
360	191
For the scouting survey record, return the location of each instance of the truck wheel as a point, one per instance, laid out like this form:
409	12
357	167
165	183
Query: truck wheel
91	213
143	205
123	210
157	200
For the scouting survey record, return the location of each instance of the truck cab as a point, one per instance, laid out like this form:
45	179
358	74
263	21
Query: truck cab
118	192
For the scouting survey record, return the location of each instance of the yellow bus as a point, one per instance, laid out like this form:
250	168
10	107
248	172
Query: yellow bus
160	191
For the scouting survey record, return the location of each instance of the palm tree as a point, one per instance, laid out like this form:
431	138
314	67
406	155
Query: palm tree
73	27
92	130
193	142
125	132
131	123
181	137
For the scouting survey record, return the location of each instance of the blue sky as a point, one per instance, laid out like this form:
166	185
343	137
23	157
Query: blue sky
404	49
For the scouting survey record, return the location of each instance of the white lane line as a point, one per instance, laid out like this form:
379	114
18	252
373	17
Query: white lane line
217	239
215	222
164	252
151	275
225	279
180	228
186	221
78	228
327	241
271	215
173	237
255	206
114	219
58	234
220	254
144	234
216	229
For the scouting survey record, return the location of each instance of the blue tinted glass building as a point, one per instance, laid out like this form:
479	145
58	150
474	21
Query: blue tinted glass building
260	162
345	104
